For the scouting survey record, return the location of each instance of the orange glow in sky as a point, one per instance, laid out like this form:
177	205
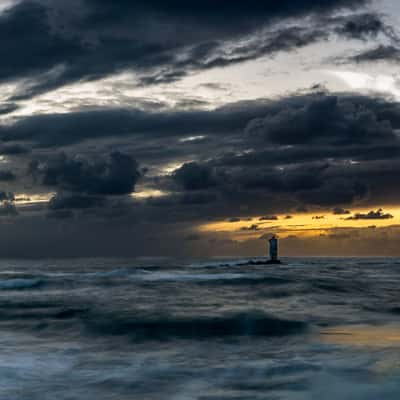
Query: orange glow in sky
301	224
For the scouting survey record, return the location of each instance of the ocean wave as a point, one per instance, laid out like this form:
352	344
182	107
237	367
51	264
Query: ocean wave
41	315
215	263
20	284
243	324
242	262
107	274
230	277
340	285
256	279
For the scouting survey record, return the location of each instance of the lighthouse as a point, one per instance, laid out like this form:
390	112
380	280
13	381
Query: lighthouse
273	250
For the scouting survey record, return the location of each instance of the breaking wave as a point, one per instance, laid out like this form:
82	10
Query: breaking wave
231	277
243	324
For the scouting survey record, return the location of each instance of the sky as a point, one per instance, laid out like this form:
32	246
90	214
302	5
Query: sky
197	129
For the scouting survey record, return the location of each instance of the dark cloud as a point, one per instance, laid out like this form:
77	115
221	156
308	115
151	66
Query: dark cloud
340	211
326	120
197	198
74	127
364	26
291	179
193	237
269	218
6	196
344	190
7	108
8	209
388	53
91	39
13	150
329	121
7	176
354	135
253	227
61	202
115	175
194	176
60	214
379	214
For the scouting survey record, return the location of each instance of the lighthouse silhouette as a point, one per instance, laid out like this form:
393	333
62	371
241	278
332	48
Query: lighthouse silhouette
273	250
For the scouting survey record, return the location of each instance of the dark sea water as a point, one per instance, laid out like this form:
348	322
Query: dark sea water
207	329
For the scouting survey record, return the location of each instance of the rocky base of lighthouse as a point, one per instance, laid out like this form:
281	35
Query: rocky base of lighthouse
261	262
273	262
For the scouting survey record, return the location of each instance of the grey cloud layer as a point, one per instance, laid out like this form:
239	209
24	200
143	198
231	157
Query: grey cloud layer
388	53
54	45
115	175
317	149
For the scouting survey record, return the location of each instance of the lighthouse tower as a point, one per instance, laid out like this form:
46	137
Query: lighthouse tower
273	250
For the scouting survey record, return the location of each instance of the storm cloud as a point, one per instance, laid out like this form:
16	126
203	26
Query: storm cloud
380	53
378	214
319	149
90	39
318	118
327	120
115	175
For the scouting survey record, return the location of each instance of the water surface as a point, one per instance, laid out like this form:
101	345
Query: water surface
205	329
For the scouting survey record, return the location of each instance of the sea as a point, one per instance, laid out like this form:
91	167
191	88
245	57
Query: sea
211	329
